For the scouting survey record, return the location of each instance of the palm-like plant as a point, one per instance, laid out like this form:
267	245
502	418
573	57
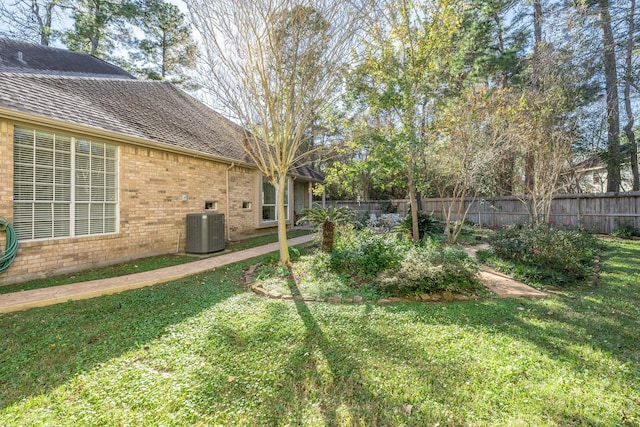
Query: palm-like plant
327	219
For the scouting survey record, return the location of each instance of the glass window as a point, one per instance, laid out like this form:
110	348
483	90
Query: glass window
63	186
269	201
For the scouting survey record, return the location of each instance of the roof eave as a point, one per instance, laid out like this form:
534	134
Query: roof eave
114	136
306	178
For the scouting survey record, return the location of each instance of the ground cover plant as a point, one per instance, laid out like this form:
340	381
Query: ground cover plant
140	265
375	265
543	253
625	230
202	351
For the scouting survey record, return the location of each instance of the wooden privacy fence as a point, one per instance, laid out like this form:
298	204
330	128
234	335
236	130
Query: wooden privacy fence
600	213
377	207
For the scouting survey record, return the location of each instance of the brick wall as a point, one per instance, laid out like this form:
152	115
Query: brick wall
244	202
157	190
6	177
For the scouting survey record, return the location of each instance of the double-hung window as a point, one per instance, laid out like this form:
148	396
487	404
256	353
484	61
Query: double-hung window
270	199
63	186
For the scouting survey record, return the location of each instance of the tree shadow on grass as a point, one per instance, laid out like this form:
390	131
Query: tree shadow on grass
45	347
333	363
346	385
291	365
325	381
579	329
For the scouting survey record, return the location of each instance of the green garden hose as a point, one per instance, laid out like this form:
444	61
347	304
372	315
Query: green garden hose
11	245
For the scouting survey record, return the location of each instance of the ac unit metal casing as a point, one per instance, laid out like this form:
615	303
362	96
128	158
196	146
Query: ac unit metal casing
205	233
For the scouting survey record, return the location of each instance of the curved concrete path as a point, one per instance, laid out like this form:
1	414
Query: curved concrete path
24	300
499	283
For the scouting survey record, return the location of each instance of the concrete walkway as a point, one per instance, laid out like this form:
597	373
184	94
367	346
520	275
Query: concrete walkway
506	287
503	286
24	300
499	283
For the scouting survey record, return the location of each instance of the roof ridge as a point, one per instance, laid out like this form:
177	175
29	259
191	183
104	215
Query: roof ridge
64	74
23	56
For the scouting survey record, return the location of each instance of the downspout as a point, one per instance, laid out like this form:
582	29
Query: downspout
292	202
228	209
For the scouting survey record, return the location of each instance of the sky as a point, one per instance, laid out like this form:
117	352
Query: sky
182	5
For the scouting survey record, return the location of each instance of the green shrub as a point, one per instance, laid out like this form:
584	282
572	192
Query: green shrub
567	250
365	253
427	225
624	230
393	264
432	267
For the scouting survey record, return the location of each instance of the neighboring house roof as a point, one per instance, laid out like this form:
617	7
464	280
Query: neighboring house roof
597	161
22	57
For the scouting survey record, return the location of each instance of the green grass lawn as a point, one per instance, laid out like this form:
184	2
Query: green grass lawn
201	351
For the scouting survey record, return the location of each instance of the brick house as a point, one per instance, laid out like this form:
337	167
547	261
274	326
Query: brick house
97	167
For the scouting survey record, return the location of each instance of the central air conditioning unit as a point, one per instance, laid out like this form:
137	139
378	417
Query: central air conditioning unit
205	233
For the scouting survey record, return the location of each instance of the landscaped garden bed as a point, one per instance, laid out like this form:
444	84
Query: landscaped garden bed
368	266
384	265
544	254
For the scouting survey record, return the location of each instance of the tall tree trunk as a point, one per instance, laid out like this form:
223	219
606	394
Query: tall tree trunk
328	236
44	22
164	54
529	168
282	221
499	34
95	40
505	175
413	200
537	42
628	75
613	109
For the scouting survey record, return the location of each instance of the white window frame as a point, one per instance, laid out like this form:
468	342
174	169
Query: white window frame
83	175
264	181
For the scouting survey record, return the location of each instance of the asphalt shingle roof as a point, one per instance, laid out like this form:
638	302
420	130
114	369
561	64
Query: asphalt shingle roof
17	56
80	89
152	110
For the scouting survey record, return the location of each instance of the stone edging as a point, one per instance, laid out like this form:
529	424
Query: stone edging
250	281
443	297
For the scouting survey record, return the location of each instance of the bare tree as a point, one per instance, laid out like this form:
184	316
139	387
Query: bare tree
273	66
29	20
470	139
542	123
547	137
